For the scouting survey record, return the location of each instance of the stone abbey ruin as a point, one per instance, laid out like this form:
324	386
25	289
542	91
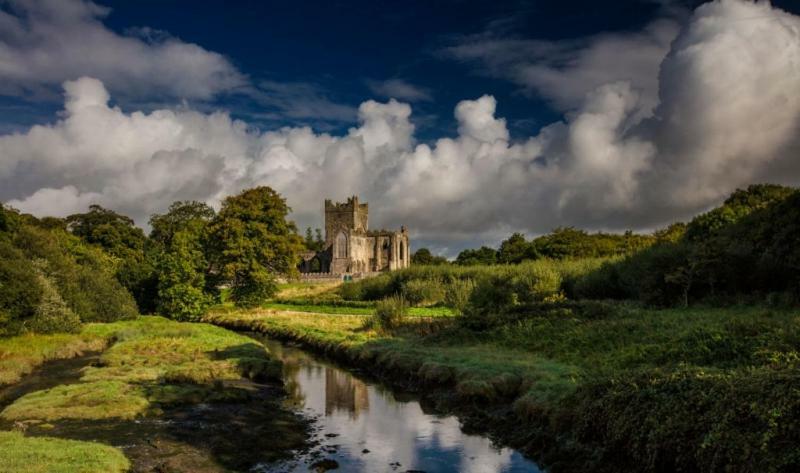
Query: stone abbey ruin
352	248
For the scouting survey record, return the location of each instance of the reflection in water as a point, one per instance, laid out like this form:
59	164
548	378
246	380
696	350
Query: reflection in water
342	391
365	429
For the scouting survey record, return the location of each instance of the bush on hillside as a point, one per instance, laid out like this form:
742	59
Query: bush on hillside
458	293
390	312
423	291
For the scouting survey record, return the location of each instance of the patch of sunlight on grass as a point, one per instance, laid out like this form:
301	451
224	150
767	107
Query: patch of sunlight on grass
20	454
307	289
94	400
22	354
149	351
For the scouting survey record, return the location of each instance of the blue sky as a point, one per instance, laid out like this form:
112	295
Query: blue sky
463	120
331	53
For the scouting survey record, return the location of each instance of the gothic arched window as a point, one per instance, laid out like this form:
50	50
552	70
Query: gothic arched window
340	248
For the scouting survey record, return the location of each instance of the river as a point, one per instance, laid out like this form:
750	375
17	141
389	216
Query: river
363	427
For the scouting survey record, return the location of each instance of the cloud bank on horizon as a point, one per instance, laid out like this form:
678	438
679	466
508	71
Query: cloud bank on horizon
704	108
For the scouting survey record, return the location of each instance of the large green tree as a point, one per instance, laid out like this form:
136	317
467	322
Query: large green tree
181	234
516	249
191	216
253	243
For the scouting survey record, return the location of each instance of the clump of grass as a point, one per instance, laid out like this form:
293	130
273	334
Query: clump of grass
20	454
21	354
95	400
423	292
390	312
149	351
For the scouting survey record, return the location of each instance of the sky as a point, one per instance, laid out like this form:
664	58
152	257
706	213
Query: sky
464	121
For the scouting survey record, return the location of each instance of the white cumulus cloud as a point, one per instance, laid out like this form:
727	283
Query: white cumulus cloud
45	42
725	114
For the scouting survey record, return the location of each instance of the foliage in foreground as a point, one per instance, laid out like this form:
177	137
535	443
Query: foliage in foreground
20	454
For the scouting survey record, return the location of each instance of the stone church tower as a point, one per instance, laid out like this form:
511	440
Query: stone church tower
351	247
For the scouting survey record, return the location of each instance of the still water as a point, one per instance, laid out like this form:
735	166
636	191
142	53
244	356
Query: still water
363	428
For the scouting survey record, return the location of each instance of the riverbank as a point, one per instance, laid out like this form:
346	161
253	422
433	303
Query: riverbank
163	396
590	388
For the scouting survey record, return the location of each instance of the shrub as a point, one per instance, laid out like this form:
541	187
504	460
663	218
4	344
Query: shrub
351	291
423	291
390	312
183	302
253	288
369	289
457	294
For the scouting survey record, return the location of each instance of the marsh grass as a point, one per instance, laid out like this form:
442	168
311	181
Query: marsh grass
20	454
308	290
149	354
21	354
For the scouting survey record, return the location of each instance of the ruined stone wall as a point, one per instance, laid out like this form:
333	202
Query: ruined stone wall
361	252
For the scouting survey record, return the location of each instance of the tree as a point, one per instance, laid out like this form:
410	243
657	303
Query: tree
181	278
116	233
314	241
52	314
181	234
253	243
516	249
424	256
20	291
740	204
192	216
483	255
120	237
4	220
